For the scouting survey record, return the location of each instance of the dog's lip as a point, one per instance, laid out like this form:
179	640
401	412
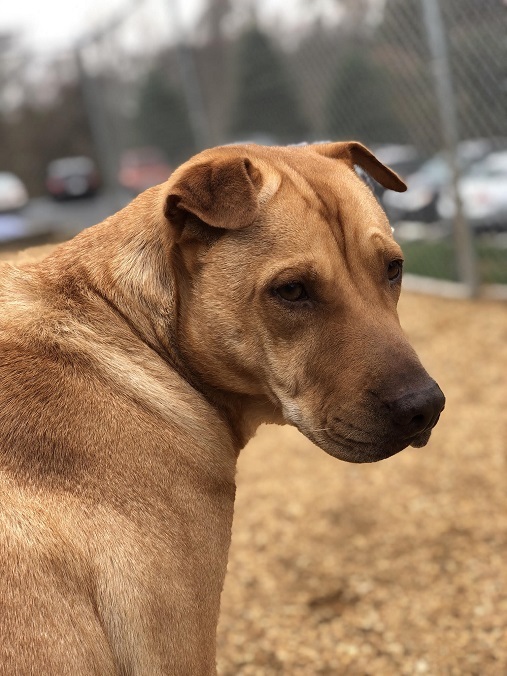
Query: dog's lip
421	439
361	451
345	441
354	450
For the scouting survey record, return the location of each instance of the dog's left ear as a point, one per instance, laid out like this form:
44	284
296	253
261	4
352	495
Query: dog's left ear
221	193
356	154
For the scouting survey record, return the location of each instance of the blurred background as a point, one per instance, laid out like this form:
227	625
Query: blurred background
385	569
101	100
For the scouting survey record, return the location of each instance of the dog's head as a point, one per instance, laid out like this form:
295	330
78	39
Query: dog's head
289	282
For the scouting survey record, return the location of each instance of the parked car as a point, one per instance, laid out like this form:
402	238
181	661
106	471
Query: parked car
13	194
142	168
483	192
419	202
403	158
72	177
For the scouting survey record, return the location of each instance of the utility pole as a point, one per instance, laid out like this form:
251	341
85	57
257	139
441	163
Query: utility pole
435	30
105	148
190	81
101	128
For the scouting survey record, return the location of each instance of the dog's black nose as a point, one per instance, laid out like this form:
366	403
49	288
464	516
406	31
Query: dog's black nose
417	410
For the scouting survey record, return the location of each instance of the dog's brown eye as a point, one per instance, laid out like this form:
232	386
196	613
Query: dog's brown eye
394	270
293	291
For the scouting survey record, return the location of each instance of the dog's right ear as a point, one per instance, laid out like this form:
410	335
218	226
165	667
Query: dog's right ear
220	193
355	153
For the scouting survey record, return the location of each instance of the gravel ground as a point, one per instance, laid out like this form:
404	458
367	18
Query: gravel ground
393	568
386	569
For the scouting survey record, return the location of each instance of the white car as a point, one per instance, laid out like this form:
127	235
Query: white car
483	192
419	202
13	194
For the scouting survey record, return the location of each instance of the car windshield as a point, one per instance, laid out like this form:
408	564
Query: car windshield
493	166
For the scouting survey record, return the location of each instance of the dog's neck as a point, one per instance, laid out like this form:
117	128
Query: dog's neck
128	271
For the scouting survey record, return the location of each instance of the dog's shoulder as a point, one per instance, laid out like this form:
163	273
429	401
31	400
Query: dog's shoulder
77	383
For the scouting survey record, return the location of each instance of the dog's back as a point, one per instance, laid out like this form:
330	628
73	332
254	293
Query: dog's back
92	427
48	612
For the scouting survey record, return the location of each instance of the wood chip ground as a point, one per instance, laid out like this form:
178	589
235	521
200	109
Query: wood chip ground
387	569
395	568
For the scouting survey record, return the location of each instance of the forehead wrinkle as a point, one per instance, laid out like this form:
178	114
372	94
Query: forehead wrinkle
328	210
296	178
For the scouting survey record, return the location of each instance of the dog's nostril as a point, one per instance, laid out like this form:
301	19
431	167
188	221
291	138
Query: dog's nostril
407	415
417	410
419	421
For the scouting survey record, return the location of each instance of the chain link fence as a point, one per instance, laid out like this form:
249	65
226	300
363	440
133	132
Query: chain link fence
422	82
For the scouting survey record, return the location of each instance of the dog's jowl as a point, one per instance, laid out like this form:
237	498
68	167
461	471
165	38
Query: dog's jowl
255	285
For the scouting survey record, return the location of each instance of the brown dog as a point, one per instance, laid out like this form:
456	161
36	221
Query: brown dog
257	284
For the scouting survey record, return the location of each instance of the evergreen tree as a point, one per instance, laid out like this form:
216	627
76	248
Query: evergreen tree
36	134
265	102
162	118
359	105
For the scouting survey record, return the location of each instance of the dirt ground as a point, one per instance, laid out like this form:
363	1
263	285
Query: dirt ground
388	569
394	568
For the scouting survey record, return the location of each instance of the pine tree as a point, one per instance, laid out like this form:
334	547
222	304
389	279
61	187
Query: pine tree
162	118
265	102
359	105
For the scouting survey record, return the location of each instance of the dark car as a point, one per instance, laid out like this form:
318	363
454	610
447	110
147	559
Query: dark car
72	177
403	159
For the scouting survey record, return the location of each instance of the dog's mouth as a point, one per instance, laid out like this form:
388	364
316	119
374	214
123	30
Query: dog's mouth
353	443
356	450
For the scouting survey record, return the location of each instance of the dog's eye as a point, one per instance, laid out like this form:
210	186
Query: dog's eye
394	270
292	292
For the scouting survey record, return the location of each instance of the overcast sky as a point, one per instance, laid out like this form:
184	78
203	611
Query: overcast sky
52	25
55	24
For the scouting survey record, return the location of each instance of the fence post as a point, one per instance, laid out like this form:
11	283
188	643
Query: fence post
102	140
465	249
190	82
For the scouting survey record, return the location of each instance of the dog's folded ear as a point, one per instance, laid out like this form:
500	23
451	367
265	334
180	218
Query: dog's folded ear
220	192
356	154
